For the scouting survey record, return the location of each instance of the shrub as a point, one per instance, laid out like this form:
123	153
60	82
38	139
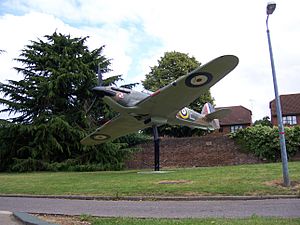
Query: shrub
263	141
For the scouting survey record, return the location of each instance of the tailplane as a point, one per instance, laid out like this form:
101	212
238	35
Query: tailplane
212	115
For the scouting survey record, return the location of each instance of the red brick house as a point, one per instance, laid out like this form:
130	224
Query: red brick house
239	118
290	108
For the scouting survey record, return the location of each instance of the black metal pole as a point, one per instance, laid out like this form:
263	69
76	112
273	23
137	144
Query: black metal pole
156	148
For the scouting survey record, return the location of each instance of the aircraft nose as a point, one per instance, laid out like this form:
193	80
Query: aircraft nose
103	91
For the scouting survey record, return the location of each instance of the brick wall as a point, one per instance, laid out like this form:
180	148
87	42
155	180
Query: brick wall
191	152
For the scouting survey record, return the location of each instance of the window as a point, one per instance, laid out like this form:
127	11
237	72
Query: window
235	128
290	120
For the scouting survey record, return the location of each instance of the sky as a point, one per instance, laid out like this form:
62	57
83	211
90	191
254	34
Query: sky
137	33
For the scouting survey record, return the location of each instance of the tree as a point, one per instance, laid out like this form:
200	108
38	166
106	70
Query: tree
264	122
51	106
170	67
58	76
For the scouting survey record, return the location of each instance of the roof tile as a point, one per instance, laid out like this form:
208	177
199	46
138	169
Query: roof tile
290	104
238	115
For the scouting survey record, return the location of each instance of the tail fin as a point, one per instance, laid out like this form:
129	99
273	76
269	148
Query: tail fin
207	109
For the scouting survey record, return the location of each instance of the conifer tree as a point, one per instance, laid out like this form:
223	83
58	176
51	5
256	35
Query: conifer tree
50	107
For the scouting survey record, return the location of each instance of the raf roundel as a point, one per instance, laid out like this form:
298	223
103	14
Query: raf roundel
184	114
120	95
198	79
100	137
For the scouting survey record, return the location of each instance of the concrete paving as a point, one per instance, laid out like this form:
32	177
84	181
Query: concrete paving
21	218
7	218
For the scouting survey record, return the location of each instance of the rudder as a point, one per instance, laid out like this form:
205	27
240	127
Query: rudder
207	109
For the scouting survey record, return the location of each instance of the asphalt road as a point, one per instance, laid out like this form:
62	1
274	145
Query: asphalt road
155	209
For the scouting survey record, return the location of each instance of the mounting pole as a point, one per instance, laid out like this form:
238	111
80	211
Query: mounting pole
156	148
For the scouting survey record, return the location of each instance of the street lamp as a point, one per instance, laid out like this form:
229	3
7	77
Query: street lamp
270	9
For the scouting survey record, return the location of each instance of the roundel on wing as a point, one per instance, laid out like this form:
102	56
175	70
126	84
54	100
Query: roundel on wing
184	114
198	79
100	137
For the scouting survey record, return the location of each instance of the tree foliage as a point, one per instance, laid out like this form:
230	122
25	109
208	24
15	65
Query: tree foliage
263	141
50	107
58	75
170	67
264	122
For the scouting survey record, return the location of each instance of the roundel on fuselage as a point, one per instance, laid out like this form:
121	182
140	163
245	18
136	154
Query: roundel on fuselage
120	95
184	113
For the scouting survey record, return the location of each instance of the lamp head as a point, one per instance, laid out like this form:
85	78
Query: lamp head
271	7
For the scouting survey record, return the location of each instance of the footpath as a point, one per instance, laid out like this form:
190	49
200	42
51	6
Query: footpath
18	207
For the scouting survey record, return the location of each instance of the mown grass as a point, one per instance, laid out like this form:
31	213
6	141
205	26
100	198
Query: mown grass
230	180
212	221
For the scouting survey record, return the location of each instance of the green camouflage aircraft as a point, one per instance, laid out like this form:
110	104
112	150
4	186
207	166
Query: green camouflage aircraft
139	110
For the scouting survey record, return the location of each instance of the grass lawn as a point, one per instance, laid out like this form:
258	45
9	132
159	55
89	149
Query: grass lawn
229	180
211	221
132	221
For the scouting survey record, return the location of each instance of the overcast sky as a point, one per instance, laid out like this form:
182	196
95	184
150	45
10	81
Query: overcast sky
136	34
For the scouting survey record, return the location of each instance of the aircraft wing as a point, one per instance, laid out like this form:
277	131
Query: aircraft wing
114	128
167	101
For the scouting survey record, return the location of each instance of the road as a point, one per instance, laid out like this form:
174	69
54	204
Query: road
155	209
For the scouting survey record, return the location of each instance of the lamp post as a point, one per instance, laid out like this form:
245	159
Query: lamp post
270	9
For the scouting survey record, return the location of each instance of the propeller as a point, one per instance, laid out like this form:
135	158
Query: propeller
100	90
100	82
